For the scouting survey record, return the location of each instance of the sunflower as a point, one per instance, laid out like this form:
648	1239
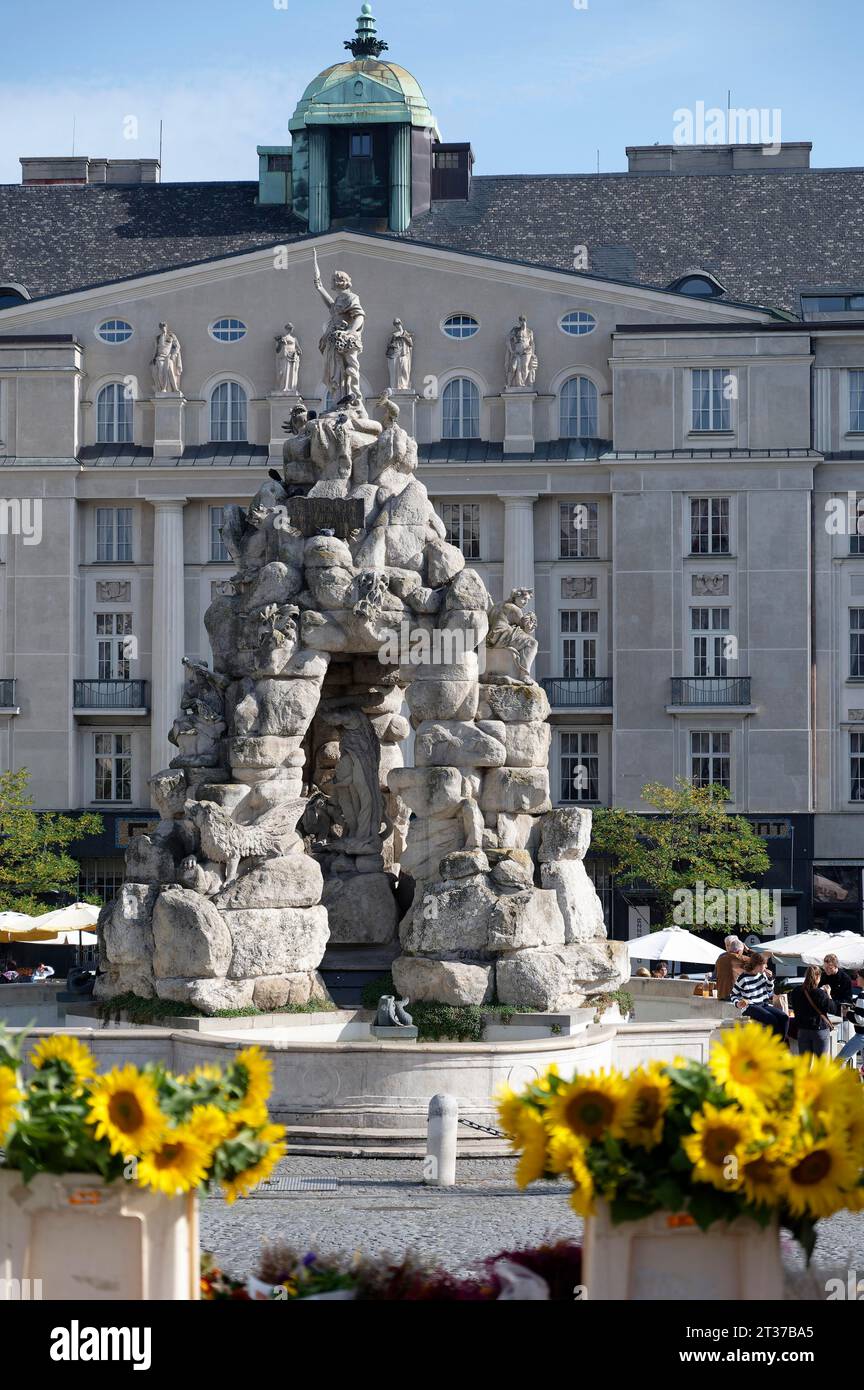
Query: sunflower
823	1087
763	1177
124	1107
818	1178
751	1064
257	1078
646	1101
582	1196
532	1141
271	1140
74	1062
590	1105
9	1098
510	1107
716	1148
179	1164
209	1124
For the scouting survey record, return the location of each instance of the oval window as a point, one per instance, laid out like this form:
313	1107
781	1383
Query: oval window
114	331
460	326
578	322
228	330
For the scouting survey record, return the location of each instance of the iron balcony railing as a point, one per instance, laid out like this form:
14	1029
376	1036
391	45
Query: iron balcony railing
113	694
579	692
710	690
7	694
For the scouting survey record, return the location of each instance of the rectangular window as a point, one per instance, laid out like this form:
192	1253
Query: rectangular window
361	146
218	548
102	876
113	767
580	767
712	403
579	628
462	520
856	643
710	759
709	525
857	746
114	534
578	527
446	159
856	402
113	650
710	629
856	540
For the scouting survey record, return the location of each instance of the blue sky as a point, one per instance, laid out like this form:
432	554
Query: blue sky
537	88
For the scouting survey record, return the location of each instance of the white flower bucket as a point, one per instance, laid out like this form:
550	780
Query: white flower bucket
75	1237
667	1257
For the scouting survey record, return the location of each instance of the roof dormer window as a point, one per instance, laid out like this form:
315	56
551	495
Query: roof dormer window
699	285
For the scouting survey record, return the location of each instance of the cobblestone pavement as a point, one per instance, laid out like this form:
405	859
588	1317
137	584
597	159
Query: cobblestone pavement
380	1206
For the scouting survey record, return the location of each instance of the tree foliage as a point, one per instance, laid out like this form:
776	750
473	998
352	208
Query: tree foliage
692	839
33	847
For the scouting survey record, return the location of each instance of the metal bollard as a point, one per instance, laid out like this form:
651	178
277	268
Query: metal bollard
439	1168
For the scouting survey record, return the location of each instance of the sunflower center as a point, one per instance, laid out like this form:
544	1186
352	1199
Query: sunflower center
743	1068
590	1112
719	1143
647	1107
125	1112
760	1170
168	1155
812	1169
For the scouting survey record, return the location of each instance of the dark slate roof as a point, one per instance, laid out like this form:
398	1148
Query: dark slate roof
765	236
195	456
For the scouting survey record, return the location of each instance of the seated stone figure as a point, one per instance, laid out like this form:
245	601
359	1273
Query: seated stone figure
512	637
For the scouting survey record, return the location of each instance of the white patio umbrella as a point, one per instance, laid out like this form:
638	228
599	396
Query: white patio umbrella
73	938
15	921
847	946
674	944
74	918
809	943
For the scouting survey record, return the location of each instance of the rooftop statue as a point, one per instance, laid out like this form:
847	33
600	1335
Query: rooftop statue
167	364
521	357
342	342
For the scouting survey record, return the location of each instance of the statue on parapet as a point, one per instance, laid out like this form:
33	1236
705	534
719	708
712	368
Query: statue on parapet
342	342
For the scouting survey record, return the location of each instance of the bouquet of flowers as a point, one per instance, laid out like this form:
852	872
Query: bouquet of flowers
169	1133
756	1132
285	1275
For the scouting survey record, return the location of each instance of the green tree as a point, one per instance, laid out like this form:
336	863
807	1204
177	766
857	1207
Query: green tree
693	839
33	845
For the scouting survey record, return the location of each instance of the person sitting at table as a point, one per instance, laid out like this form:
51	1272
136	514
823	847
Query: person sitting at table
752	993
42	972
10	973
730	965
836	981
659	971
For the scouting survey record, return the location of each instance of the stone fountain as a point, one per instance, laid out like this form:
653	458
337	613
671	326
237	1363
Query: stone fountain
288	818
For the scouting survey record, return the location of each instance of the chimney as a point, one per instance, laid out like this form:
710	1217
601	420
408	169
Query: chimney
718	159
79	169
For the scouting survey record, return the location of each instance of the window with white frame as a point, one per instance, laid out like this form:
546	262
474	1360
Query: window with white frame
579	630
228	414
578	412
114	408
856	402
114	535
461	405
856	643
578	530
113	648
711	759
856	539
857	766
228	330
710	647
114	331
460	326
218	549
579	767
713	388
113	767
462	520
709	525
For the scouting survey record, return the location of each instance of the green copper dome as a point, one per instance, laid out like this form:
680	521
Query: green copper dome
366	90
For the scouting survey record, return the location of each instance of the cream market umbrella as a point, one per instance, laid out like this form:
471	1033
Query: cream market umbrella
806	943
10	920
674	944
847	946
74	918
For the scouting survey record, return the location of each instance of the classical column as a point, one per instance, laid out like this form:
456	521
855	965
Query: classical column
319	180
518	540
169	623
400	179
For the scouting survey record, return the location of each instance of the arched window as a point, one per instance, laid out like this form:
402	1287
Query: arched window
228	414
461	409
698	286
114	406
10	295
578	409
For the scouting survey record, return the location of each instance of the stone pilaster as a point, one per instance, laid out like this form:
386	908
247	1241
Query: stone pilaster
518	541
400	179
168	636
319	180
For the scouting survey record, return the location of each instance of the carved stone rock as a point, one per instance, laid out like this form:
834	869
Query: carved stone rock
190	937
444	982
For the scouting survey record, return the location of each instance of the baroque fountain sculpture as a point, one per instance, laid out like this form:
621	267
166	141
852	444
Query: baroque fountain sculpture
287	816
